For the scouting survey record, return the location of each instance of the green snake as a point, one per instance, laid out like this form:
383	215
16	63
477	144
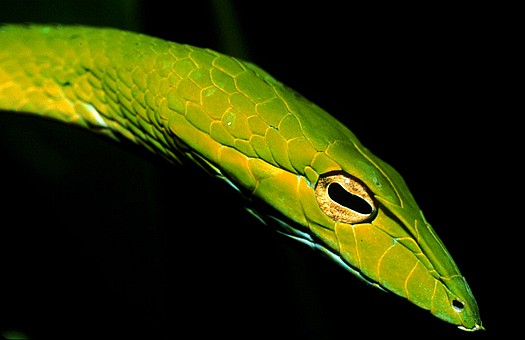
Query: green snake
301	171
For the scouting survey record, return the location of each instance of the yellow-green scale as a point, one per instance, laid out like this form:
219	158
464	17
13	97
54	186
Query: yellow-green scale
235	119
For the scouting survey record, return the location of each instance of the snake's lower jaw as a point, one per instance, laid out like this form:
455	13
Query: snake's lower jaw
473	329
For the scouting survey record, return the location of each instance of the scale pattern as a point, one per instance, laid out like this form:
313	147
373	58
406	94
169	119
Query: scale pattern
235	120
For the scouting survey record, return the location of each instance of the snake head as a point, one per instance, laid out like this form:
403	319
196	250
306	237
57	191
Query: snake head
344	201
381	234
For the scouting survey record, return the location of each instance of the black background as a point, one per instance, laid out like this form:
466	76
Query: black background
100	240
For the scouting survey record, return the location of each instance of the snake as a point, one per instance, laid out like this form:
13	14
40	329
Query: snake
299	169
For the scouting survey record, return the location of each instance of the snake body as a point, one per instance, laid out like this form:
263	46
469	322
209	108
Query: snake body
315	181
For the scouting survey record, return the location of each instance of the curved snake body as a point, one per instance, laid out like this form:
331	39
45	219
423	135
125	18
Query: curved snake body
319	184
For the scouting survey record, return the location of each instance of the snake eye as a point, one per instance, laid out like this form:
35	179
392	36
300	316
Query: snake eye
344	198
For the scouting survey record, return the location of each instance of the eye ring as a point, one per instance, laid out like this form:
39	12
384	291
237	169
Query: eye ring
344	198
